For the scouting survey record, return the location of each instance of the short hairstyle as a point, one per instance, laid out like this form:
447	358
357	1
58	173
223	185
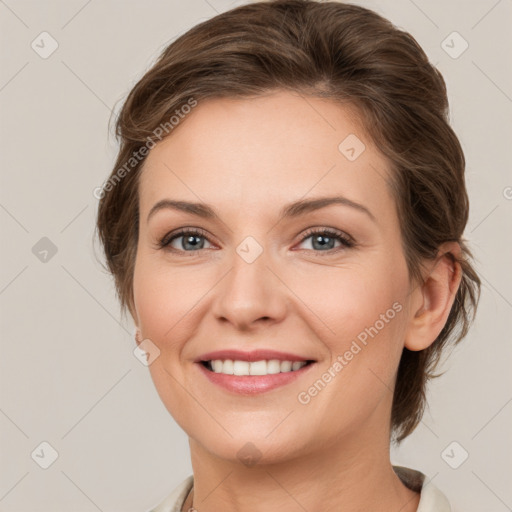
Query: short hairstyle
340	52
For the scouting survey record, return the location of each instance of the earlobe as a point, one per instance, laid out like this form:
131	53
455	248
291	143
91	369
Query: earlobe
137	336
133	313
435	298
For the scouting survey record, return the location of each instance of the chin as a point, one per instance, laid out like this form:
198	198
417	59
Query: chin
252	450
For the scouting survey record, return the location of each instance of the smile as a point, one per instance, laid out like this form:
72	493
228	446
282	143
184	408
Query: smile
254	377
246	368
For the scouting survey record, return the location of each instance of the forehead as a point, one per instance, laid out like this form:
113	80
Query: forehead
266	151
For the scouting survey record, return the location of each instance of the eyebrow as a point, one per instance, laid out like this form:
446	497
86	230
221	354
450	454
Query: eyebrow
294	209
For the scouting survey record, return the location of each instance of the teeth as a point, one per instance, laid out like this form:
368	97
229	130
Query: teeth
227	367
273	366
297	365
256	368
217	366
239	367
286	366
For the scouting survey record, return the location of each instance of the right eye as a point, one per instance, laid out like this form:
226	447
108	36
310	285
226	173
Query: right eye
185	240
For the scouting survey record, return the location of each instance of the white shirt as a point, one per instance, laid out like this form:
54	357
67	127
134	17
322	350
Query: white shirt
431	498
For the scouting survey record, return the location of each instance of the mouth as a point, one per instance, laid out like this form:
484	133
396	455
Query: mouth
253	373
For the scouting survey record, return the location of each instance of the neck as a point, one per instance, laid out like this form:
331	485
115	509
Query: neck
353	473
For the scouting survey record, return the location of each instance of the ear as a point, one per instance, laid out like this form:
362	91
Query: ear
432	300
137	332
138	336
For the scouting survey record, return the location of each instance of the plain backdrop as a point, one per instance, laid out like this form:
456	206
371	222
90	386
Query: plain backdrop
69	377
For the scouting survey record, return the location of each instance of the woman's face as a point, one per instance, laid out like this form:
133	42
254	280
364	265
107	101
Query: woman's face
260	275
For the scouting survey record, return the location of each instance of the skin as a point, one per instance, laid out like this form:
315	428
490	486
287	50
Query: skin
247	159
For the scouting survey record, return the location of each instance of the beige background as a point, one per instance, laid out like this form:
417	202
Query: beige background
68	374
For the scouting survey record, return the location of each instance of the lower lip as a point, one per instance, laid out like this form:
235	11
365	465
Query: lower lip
253	384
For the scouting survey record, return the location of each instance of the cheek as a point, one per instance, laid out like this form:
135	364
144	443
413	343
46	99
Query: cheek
353	297
164	302
162	299
362	319
365	315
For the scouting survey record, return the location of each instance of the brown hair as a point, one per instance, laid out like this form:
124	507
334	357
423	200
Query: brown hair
342	52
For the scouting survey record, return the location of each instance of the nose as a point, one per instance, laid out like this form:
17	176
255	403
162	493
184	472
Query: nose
250	294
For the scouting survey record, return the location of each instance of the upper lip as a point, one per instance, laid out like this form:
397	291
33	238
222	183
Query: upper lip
253	355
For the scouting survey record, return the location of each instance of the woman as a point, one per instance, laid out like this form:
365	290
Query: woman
284	224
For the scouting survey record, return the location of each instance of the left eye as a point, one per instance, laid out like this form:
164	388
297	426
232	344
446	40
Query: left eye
324	240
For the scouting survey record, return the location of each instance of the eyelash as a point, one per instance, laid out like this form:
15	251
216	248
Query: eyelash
347	242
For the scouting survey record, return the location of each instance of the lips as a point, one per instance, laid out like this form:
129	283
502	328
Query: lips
252	372
253	384
254	355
